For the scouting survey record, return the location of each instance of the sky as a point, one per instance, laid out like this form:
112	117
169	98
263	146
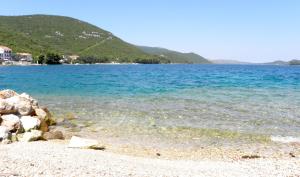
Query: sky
245	30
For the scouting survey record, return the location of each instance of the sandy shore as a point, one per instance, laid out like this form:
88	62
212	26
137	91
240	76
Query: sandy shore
55	159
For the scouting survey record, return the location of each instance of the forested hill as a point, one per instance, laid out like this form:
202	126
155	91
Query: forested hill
174	56
42	34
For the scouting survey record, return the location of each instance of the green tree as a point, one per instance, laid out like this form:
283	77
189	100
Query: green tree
41	59
53	59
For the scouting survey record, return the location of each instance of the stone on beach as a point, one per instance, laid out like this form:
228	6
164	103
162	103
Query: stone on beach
12	122
4	133
7	94
49	119
7	107
83	143
21	104
44	126
41	114
53	135
30	123
44	115
19	113
33	135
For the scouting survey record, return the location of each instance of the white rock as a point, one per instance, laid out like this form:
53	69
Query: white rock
7	107
11	121
33	102
287	139
33	135
7	94
21	104
77	142
4	133
30	123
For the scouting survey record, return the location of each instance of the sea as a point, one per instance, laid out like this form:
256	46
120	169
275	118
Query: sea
181	104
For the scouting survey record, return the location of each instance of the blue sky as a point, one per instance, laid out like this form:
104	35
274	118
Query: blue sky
246	30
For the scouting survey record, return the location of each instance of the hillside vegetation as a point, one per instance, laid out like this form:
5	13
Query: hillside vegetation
175	57
41	34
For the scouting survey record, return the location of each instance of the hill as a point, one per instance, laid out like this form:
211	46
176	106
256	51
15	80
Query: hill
233	62
278	62
39	34
174	56
294	62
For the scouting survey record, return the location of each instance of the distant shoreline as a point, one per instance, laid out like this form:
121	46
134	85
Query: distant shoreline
85	64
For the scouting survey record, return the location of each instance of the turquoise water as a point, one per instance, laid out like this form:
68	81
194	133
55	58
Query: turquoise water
255	99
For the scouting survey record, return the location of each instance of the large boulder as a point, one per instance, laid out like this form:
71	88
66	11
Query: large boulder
33	135
44	113
21	104
4	133
41	114
83	143
30	123
7	107
34	103
12	122
7	94
45	118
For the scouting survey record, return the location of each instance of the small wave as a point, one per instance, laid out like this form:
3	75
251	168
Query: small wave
285	139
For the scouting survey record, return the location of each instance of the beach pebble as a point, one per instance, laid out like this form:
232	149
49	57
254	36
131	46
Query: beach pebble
77	142
11	121
53	135
33	135
30	123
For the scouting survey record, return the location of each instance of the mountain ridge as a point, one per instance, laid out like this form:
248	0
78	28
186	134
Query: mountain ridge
175	56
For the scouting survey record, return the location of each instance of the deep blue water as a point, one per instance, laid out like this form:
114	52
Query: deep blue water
245	98
145	79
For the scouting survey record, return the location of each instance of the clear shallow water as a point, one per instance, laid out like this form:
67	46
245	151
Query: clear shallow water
159	99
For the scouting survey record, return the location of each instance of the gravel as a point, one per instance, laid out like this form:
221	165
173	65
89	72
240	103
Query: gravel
53	158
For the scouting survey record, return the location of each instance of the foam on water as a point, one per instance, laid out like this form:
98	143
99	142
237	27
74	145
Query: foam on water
287	139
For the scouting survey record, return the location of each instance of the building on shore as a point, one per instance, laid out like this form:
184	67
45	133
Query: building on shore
5	54
8	58
23	58
69	59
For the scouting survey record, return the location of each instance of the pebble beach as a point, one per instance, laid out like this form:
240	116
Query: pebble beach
54	158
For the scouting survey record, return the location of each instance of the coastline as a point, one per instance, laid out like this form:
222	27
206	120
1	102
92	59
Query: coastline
140	131
53	158
182	148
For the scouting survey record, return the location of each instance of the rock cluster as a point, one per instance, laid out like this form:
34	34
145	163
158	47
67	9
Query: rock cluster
21	118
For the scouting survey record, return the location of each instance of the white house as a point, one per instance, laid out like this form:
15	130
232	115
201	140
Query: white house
5	53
